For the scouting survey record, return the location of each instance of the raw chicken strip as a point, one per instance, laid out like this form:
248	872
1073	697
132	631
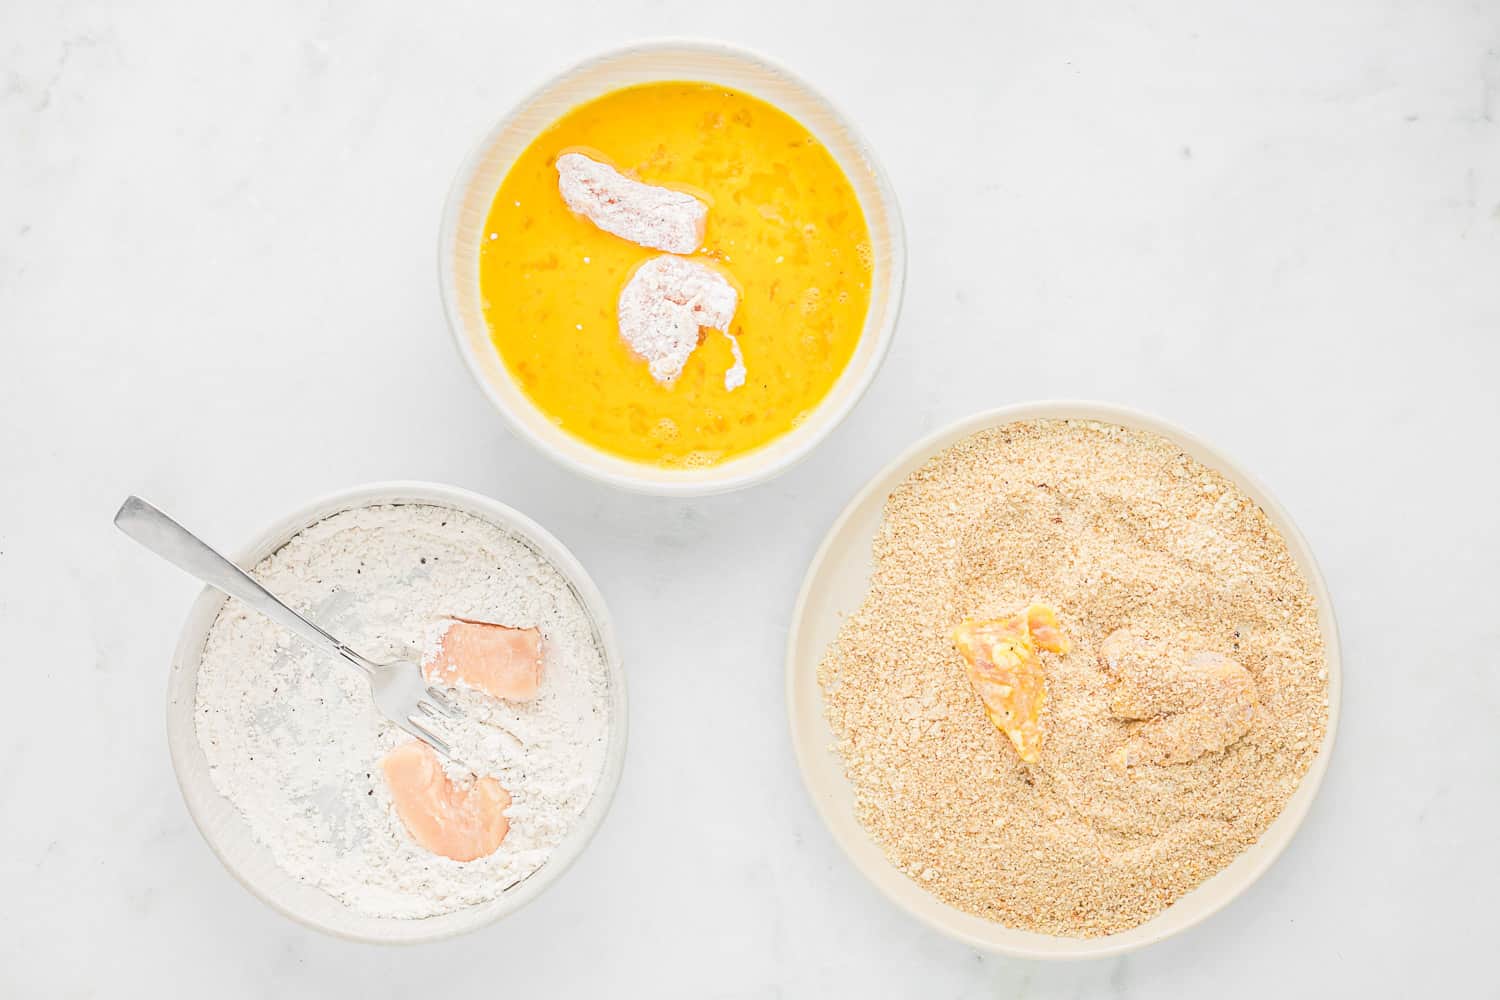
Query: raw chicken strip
1196	702
458	823
1006	672
664	306
650	216
500	661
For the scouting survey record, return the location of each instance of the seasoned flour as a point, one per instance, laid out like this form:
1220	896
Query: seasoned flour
293	738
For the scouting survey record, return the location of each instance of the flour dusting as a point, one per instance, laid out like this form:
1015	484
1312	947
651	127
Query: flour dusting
294	740
654	217
665	305
735	376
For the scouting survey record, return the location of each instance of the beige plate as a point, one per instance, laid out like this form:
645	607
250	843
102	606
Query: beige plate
835	586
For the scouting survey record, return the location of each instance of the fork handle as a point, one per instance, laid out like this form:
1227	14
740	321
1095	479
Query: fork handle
185	550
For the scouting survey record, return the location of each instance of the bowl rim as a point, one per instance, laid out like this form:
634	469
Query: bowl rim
642	477
846	835
205	609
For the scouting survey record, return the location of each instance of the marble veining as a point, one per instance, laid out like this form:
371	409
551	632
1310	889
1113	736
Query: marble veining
1276	224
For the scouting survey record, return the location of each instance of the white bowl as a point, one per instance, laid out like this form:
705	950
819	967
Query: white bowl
226	830
474	190
835	586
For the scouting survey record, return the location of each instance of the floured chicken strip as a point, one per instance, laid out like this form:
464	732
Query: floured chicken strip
502	662
1196	703
650	216
665	305
735	376
462	823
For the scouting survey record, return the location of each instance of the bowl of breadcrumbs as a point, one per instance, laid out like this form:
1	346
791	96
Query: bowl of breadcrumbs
1063	680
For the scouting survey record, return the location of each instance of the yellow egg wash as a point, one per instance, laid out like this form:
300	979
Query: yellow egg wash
784	225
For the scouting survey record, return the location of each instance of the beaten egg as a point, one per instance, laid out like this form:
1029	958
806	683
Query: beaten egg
784	225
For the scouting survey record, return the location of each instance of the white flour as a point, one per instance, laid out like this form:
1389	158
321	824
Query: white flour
734	377
294	741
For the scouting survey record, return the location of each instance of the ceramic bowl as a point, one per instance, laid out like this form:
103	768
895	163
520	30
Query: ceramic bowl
835	586
229	834
474	190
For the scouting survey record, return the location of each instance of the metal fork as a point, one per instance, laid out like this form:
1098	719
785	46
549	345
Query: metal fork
399	690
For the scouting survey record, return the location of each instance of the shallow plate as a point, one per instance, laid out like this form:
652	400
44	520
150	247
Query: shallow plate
836	585
474	190
226	830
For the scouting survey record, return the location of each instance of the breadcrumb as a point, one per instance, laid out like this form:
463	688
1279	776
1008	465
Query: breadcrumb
1115	528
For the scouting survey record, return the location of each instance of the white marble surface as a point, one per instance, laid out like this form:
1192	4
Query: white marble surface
1275	223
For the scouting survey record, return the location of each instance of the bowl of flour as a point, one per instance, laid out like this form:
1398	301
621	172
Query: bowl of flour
277	748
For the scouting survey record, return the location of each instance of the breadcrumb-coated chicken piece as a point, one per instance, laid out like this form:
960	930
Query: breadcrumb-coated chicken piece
1193	701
